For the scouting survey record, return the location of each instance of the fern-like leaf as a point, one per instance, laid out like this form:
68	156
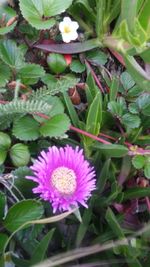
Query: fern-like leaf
61	86
21	107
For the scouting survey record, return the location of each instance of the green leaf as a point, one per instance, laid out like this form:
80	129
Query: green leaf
114	151
137	73
71	110
113	223
128	12
83	227
143	102
56	63
5	141
3	240
20	155
131	121
38	13
77	67
3	155
127	80
10	54
4	74
147	168
114	89
56	126
30	73
137	192
2	205
26	128
41	249
9	14
97	57
101	11
104	174
138	161
22	212
144	15
93	123
117	107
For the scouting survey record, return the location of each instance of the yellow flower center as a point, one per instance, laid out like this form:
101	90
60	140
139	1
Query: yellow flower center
64	180
67	29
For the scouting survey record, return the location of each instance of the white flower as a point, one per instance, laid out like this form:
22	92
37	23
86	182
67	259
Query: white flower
68	29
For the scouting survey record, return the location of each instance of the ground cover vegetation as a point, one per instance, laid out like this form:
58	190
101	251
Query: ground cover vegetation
74	133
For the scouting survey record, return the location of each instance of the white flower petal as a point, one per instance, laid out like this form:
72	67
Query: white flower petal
74	25
61	26
67	20
66	37
73	35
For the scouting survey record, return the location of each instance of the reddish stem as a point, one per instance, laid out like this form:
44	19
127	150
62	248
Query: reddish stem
117	56
95	77
89	135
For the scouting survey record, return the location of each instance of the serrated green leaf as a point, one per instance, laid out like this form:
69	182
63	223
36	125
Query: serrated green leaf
127	80
3	155
26	128
22	212
76	66
138	161
97	57
20	155
131	121
5	141
30	73
34	11
10	54
143	102
9	14
4	74
56	126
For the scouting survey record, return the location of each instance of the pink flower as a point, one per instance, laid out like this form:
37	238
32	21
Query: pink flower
64	177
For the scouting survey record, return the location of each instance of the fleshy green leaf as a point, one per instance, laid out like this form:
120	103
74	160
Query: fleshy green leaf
56	126
20	155
56	63
26	128
22	212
